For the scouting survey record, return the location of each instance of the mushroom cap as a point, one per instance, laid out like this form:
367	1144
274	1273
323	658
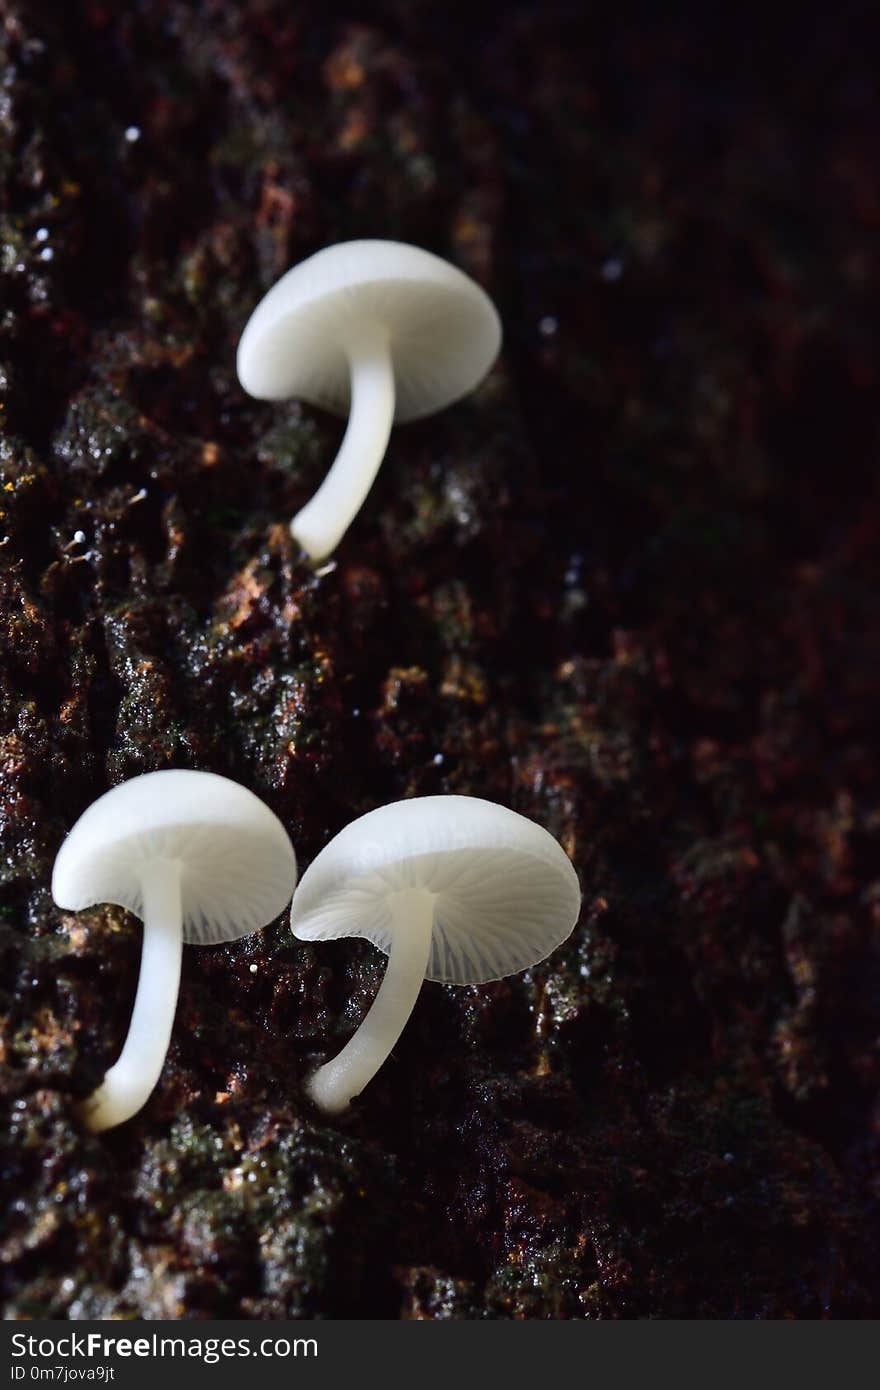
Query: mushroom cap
238	867
444	331
506	892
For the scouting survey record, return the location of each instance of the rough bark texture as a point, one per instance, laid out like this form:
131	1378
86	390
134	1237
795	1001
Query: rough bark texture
629	588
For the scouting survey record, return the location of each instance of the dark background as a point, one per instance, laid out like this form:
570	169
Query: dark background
629	588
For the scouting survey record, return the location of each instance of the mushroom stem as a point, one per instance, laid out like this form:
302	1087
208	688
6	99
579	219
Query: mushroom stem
129	1082
322	522
338	1081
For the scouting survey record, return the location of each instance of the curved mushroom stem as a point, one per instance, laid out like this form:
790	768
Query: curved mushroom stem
323	521
337	1082
129	1082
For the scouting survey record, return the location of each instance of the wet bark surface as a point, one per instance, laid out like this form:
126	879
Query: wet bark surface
628	588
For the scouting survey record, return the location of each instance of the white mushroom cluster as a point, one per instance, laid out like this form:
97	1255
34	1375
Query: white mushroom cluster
452	888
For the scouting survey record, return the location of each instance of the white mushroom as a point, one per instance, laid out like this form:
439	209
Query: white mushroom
377	331
451	888
199	859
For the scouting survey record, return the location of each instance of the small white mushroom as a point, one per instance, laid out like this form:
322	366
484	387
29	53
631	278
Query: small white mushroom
199	859
451	888
376	331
